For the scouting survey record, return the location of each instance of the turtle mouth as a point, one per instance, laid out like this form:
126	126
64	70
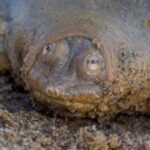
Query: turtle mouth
73	99
75	94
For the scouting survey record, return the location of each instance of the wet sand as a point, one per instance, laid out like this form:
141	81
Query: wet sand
24	128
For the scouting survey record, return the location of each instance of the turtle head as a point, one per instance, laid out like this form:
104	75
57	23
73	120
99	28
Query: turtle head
68	72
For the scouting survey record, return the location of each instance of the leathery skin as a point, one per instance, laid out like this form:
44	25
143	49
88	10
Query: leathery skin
86	58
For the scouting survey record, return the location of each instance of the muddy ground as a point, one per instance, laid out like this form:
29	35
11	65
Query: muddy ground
23	128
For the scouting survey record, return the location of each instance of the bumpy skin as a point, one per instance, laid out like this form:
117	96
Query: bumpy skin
86	57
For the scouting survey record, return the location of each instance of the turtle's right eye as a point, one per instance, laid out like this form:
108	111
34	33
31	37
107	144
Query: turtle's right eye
47	52
47	48
55	53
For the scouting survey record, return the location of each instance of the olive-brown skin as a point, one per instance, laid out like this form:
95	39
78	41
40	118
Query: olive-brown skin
113	34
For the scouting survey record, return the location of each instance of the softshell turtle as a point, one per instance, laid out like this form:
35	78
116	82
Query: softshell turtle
84	57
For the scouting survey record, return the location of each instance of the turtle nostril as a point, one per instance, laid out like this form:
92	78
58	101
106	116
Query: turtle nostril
52	91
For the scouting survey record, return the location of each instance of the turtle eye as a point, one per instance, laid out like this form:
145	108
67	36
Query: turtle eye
47	52
55	53
92	65
47	48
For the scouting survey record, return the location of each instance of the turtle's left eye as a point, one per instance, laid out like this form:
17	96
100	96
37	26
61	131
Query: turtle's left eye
92	64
